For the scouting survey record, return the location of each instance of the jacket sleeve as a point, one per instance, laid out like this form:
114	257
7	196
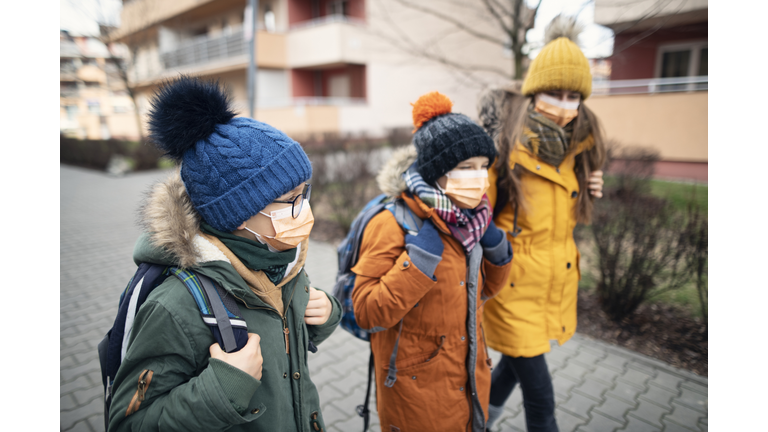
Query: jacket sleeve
319	333
495	277
387	285
175	396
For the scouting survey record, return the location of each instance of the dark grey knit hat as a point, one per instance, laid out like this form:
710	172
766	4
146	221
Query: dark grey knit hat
443	139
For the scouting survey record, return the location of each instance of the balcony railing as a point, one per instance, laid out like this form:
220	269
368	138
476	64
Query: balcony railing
204	49
335	101
650	86
327	19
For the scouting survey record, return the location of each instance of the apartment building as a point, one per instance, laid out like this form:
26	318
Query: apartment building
336	66
94	103
657	93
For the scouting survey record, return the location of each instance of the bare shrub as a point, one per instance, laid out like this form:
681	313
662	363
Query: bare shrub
696	234
344	171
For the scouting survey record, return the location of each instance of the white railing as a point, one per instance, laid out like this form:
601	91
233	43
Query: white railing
327	19
334	101
650	86
204	49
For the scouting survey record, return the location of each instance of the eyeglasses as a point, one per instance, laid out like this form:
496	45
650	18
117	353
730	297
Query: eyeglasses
298	202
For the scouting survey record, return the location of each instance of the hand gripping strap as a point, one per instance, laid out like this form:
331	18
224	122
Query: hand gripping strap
218	310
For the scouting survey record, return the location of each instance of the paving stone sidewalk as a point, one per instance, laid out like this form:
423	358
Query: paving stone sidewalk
598	387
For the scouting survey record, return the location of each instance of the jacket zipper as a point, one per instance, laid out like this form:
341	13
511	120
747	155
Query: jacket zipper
283	317
145	378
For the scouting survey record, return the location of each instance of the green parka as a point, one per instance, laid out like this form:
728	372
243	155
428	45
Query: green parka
169	343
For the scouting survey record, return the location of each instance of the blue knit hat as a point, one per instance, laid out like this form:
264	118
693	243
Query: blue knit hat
231	167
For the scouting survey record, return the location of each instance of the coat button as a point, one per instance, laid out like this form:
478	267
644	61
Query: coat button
462	338
574	194
413	377
306	289
285	375
461	388
512	284
568	265
538	166
296	375
558	170
461	283
406	263
255	411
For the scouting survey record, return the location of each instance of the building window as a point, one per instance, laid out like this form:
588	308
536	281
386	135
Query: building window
703	62
338	7
93	107
682	60
269	19
71	112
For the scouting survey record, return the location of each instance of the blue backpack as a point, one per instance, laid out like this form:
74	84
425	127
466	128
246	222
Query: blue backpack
218	310
349	253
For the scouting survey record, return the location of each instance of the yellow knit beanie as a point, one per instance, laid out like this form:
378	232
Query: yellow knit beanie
560	65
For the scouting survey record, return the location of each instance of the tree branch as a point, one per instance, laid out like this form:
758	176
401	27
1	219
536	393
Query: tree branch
498	17
452	21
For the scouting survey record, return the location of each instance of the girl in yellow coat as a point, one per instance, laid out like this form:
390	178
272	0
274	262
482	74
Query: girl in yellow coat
543	183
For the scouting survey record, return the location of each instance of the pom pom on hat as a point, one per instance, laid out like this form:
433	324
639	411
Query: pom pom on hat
430	106
186	111
561	65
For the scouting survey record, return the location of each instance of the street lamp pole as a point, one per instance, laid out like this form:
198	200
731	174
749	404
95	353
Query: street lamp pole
253	5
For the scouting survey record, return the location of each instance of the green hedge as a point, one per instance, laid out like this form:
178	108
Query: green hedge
95	154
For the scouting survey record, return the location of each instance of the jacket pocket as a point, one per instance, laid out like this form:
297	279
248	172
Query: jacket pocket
145	378
416	362
316	422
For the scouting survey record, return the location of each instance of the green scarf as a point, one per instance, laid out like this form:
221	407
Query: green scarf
545	139
253	254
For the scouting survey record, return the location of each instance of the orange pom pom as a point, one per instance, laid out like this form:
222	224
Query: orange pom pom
428	106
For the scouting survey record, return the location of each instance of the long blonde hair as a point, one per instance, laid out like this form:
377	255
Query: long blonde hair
513	115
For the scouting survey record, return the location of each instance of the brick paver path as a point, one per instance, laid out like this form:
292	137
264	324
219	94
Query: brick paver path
598	387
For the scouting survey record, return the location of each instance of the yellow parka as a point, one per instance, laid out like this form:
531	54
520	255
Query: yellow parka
540	303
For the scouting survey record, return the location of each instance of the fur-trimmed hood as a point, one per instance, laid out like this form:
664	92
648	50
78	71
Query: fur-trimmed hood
171	223
390	177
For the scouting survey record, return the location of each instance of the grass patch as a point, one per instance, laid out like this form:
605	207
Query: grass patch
680	194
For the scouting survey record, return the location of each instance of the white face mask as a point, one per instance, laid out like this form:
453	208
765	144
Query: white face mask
566	105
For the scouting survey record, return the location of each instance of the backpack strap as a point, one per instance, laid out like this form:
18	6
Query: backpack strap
217	309
362	410
112	348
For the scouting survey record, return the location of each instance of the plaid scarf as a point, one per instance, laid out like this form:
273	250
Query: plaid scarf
545	139
466	225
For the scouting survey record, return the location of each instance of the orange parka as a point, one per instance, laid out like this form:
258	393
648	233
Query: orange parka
540	304
443	368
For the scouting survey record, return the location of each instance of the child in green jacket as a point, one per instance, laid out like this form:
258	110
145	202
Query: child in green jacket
237	211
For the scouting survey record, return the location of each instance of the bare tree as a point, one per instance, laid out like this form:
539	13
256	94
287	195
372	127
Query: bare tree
122	56
509	21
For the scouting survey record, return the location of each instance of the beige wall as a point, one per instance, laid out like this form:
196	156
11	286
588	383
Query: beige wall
300	121
326	44
673	123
